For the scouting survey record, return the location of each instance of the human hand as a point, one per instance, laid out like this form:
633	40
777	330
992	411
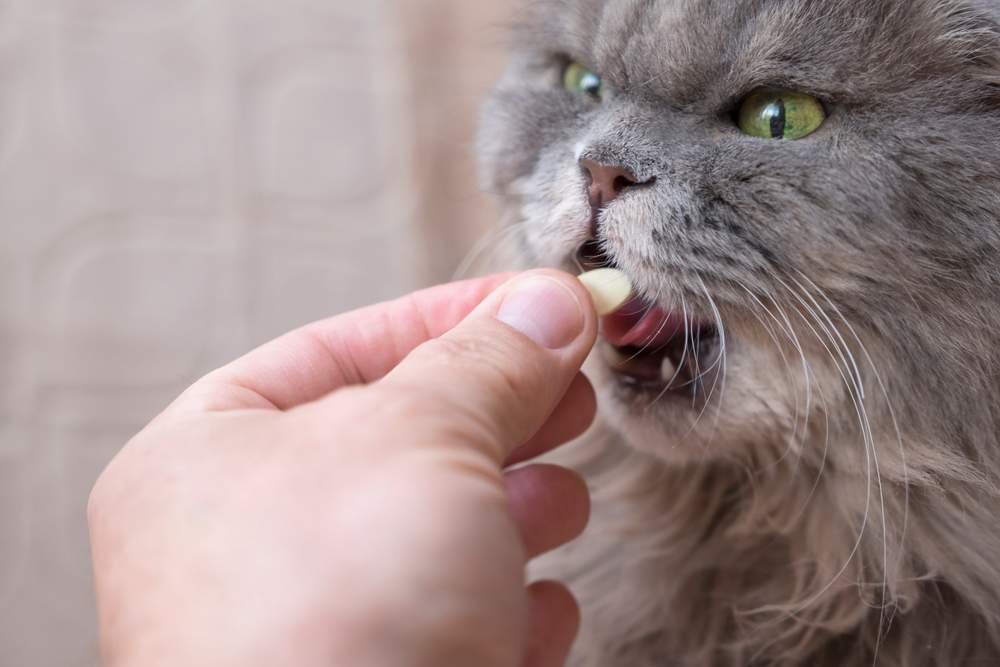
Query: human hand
339	496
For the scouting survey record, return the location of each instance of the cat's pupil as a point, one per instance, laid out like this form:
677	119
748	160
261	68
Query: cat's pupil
591	84
775	112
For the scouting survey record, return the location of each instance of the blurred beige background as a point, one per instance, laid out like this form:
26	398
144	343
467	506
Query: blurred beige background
180	181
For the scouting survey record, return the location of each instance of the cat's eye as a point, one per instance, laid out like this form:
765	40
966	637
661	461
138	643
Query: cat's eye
579	79
780	114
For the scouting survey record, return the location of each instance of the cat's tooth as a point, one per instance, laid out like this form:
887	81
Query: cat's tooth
610	289
668	371
613	356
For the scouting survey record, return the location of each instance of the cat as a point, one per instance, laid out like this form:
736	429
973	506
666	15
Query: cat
797	460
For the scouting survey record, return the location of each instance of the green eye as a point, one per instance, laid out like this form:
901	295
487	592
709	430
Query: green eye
579	79
780	114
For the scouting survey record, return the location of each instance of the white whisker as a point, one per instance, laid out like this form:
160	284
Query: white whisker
490	241
680	364
871	456
895	423
789	331
718	365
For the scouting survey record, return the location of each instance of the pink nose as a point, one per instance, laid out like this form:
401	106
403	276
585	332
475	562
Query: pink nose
606	182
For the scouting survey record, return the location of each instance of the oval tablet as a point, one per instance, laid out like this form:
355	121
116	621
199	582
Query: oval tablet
610	288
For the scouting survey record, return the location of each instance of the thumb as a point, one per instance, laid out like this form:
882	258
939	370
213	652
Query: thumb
494	380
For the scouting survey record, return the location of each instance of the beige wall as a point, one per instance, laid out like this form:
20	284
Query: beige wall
178	182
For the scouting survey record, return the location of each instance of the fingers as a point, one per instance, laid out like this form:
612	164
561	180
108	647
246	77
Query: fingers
554	624
495	380
571	419
551	506
356	348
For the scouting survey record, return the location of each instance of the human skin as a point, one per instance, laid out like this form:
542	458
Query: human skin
343	495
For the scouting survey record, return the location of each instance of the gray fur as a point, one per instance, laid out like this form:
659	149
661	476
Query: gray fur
856	270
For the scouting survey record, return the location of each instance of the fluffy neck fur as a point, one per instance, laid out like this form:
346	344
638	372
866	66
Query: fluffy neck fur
780	564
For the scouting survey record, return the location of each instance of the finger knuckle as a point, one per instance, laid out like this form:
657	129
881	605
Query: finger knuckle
483	384
498	365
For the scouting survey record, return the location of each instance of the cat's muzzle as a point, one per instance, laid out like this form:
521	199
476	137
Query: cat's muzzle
653	349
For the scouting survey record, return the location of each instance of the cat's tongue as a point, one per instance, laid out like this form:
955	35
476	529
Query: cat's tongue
640	324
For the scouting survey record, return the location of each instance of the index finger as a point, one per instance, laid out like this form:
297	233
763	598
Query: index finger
355	348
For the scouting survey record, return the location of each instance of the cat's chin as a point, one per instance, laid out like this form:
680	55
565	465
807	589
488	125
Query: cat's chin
651	417
728	410
654	434
661	375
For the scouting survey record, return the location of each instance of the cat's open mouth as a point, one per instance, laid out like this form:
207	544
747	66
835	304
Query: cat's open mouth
653	349
650	348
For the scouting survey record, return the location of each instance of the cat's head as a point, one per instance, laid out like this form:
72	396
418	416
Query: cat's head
806	195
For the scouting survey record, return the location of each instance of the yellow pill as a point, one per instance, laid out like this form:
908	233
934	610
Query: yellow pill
610	288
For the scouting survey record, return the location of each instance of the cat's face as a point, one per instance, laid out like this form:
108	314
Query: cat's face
790	284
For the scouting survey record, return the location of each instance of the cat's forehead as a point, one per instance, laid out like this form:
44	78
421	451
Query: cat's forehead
687	49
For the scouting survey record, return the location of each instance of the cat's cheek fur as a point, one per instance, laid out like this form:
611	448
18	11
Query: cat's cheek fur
514	119
771	404
555	224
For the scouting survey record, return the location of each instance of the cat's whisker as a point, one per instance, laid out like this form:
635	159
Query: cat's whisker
695	356
827	324
812	600
871	457
899	440
648	345
724	355
824	320
490	242
885	394
718	364
788	330
833	357
807	374
720	376
680	364
769	330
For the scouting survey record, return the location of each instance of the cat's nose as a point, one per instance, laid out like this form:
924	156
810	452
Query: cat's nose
605	182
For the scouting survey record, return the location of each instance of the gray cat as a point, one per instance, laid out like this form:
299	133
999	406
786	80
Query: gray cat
798	461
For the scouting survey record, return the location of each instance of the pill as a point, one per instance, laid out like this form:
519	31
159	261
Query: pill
610	288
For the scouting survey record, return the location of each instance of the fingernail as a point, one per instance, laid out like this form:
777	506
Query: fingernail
543	310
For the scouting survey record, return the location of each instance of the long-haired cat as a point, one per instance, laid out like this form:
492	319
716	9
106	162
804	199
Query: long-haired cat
799	455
